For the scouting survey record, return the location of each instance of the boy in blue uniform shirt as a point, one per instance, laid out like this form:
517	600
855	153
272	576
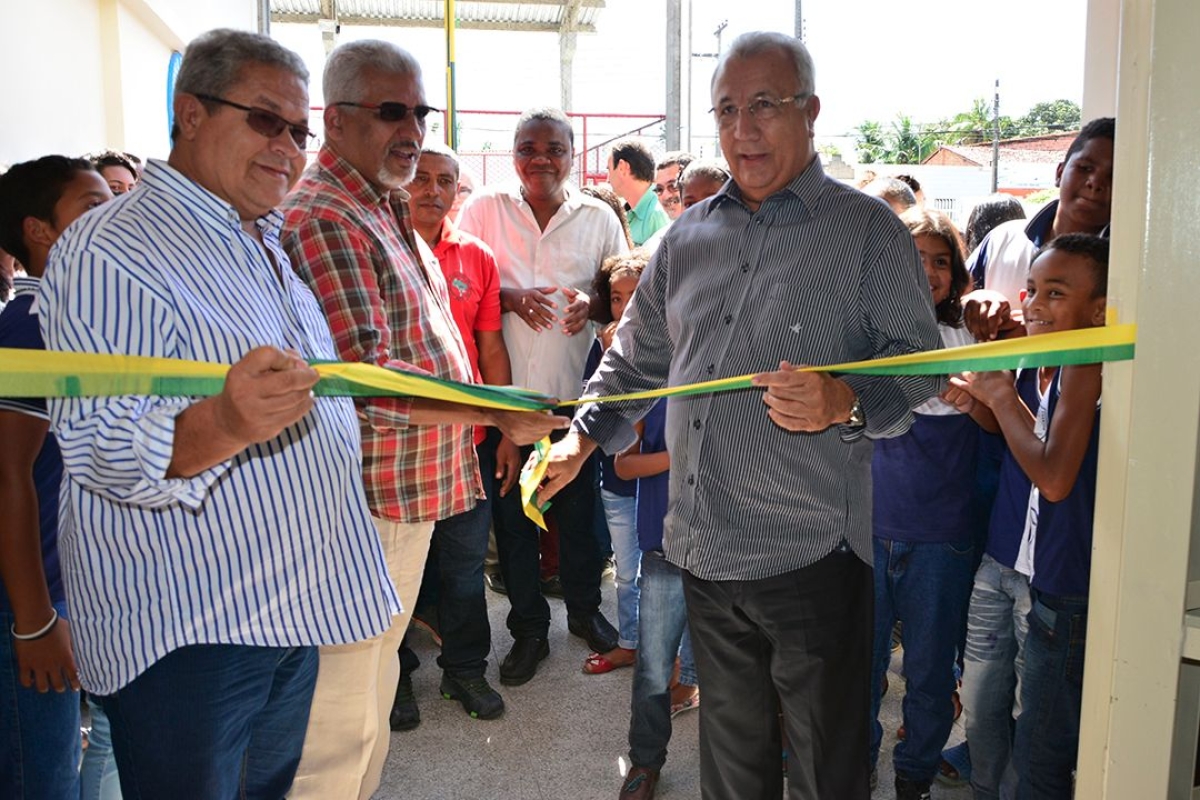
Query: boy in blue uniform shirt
39	725
1050	422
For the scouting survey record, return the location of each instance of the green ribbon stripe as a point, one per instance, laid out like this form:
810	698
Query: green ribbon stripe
48	374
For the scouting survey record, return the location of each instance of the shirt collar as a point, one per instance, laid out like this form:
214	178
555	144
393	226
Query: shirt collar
645	206
450	232
353	181
159	176
807	187
572	201
1038	229
25	284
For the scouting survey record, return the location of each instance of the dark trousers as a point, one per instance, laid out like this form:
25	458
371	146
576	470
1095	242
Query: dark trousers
213	721
798	642
574	508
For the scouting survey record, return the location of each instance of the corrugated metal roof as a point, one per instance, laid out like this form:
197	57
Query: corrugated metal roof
544	15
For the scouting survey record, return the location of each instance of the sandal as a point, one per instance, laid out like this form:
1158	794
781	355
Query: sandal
686	702
955	767
600	663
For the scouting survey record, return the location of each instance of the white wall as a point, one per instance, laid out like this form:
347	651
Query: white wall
52	92
83	75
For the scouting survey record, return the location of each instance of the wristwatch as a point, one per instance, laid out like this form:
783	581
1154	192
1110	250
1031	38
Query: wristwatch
857	418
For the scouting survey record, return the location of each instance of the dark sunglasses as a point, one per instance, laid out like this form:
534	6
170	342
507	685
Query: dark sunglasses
393	112
266	123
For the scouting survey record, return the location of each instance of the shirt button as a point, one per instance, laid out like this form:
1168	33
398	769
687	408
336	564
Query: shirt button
696	424
709	369
691	480
745	267
728	318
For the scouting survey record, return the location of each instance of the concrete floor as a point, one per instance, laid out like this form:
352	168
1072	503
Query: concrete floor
563	734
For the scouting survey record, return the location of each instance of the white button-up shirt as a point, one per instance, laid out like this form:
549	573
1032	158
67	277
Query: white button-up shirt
580	235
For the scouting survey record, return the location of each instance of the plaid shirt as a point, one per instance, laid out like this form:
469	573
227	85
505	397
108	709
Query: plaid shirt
355	246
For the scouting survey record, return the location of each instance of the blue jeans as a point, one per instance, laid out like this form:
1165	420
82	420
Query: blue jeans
1047	741
926	586
662	624
992	666
213	721
621	514
39	732
98	775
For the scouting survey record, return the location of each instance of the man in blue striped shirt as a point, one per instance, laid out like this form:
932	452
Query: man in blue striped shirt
208	545
770	509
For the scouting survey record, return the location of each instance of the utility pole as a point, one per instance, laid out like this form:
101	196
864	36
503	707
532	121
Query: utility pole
799	22
996	139
674	89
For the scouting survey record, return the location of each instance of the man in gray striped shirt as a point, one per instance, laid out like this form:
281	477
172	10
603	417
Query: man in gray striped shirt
770	508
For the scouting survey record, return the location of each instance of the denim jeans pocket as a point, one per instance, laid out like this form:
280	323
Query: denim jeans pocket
1042	620
961	549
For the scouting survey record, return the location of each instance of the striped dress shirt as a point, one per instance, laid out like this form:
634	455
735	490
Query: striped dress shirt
274	547
820	274
386	301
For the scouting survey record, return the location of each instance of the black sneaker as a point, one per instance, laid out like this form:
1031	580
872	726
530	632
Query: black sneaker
912	790
405	715
478	698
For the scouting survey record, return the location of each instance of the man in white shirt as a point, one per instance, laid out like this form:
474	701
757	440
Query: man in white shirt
549	240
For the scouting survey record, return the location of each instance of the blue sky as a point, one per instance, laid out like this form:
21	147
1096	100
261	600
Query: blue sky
874	58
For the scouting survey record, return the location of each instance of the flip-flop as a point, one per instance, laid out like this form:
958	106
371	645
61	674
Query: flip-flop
598	664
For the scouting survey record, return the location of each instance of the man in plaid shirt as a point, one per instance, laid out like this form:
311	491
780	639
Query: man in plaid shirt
348	233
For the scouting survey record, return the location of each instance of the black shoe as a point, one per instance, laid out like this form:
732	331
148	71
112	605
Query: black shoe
478	699
912	790
522	660
405	715
599	633
495	582
552	587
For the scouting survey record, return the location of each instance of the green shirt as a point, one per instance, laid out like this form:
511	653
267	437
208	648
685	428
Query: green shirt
646	218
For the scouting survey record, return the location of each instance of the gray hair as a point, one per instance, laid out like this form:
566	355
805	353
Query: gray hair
213	62
757	42
342	79
704	169
436	148
892	190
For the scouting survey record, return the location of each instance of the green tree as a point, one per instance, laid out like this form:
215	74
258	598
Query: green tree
869	141
1056	115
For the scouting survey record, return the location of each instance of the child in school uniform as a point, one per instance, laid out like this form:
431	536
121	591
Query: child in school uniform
922	534
39	738
613	286
1050	421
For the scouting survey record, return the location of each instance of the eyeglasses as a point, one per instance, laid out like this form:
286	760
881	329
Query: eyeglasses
762	109
266	123
394	112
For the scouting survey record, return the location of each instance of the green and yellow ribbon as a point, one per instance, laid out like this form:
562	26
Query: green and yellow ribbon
38	373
